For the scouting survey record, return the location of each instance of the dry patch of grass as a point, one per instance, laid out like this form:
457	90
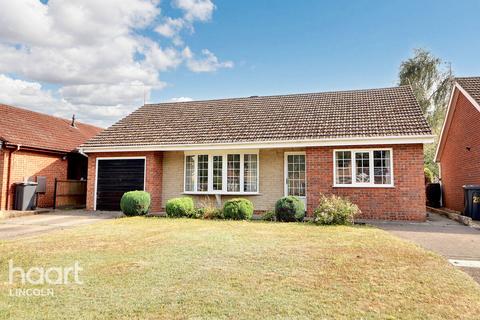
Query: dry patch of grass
179	268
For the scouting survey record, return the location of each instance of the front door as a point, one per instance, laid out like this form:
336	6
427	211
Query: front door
295	175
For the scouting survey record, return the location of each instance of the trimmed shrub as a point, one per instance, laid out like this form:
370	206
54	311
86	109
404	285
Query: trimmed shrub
180	207
135	203
238	209
269	216
290	209
333	209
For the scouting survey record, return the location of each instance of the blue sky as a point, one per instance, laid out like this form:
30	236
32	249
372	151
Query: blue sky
97	58
304	46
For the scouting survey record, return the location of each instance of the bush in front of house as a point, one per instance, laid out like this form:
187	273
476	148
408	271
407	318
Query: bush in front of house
207	209
210	213
180	207
135	203
238	209
334	209
269	216
290	209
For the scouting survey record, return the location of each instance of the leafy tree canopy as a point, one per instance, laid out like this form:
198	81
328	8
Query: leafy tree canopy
431	80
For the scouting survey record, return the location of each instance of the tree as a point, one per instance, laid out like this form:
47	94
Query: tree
431	80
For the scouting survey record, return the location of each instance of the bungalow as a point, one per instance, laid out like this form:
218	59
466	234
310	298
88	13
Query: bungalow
363	144
36	146
458	151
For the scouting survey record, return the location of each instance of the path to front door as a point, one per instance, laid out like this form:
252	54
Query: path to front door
458	243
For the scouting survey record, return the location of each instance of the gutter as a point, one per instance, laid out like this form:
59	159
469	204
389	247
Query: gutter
34	149
82	153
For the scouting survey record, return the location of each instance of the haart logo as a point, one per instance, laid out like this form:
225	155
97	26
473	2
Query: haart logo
42	276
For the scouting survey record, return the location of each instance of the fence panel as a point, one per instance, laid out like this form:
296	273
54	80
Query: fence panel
70	194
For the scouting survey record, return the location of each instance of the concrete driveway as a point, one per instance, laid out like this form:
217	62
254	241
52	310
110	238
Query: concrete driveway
458	243
25	226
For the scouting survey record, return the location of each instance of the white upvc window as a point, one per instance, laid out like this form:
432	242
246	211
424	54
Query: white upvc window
363	168
221	172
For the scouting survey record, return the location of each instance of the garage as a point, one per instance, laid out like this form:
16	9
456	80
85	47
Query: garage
115	177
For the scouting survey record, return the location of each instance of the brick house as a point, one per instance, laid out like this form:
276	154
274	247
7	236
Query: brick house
36	145
458	151
363	144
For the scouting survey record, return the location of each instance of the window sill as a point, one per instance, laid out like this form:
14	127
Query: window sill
206	193
383	186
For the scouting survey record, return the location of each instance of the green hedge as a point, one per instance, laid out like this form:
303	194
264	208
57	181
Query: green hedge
238	209
180	207
290	209
135	203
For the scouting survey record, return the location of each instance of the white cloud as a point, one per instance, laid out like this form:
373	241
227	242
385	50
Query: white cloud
193	10
170	27
95	52
83	101
181	99
132	93
161	59
208	63
25	93
200	10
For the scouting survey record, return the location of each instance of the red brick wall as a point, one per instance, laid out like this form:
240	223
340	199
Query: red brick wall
405	201
459	166
33	164
153	178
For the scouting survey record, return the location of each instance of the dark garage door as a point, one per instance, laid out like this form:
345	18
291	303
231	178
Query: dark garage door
114	178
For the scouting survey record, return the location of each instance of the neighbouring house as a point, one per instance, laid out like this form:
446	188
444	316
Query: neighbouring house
363	144
36	146
458	151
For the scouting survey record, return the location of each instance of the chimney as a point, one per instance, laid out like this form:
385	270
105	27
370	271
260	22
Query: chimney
73	122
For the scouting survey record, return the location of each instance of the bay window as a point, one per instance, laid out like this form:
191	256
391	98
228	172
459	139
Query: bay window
202	173
221	172
363	168
233	173
189	173
217	173
250	173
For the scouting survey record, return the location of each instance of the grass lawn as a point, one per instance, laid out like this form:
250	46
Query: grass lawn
177	268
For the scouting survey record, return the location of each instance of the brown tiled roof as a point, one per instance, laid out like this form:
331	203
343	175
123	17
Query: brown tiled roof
358	113
40	131
471	85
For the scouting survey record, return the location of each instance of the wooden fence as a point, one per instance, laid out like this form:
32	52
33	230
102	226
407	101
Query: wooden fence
70	194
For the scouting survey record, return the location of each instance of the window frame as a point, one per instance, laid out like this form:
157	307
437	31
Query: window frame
285	171
355	184
224	154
